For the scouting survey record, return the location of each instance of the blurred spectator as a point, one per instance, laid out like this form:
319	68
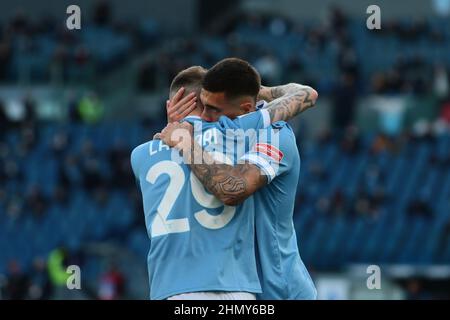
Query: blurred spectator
37	202
59	144
30	110
361	204
120	164
5	60
378	196
82	56
136	199
92	176
318	171
440	82
102	13
323	205
372	177
317	39
56	265
350	143
338	19
69	172
324	137
28	138
74	114
445	112
415	291
112	285
278	26
147	76
344	100
90	108
17	283
10	171
101	196
420	208
14	207
5	123
40	286
61	195
59	63
444	237
348	63
20	22
269	68
370	196
422	131
338	202
294	70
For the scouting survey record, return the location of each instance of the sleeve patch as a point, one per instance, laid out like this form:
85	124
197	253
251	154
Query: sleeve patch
270	151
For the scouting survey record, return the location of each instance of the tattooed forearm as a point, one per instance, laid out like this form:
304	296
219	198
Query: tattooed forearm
287	107
271	93
220	180
230	184
286	101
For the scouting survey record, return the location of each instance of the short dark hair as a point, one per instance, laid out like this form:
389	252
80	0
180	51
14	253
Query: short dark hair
190	77
234	77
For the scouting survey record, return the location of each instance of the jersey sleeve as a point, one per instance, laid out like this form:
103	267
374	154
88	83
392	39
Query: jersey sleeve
274	154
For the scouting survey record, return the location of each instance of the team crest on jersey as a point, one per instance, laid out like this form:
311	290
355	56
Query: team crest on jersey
269	150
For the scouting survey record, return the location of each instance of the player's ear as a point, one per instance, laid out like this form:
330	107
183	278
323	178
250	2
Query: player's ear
246	107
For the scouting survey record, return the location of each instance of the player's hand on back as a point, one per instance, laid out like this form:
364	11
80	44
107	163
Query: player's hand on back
180	107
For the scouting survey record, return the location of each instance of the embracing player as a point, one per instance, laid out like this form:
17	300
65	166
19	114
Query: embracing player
199	247
270	173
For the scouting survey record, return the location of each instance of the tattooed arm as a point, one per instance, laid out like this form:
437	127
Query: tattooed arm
286	101
230	184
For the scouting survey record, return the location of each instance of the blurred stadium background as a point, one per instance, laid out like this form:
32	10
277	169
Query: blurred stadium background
375	175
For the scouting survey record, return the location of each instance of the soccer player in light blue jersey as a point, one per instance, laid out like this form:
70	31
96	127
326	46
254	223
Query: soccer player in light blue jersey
269	173
198	245
281	271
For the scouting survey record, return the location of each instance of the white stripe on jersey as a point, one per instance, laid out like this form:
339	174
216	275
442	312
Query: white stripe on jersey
262	163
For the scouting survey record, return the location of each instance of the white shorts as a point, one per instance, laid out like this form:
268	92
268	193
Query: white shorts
212	295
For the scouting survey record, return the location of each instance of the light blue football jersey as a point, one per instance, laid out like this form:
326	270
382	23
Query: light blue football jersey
281	271
196	243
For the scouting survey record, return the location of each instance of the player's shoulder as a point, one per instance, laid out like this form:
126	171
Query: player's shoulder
140	148
283	127
196	121
139	152
135	155
201	125
225	122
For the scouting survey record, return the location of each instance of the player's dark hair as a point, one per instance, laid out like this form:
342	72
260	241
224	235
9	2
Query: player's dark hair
234	77
190	77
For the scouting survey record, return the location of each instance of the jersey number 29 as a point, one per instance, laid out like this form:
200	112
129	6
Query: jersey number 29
161	225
